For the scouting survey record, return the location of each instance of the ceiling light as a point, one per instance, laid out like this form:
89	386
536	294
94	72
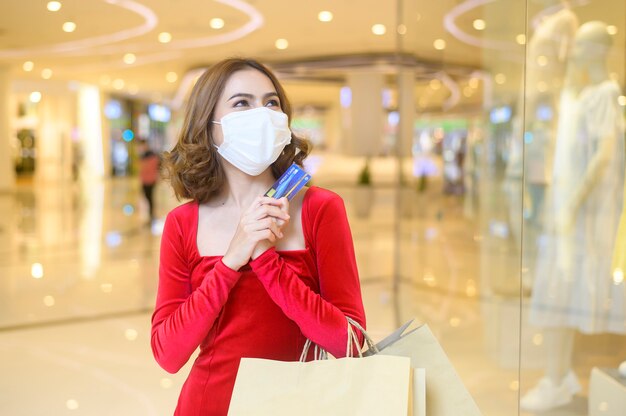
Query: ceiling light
470	290
473	82
542	60
54	6
538	339
105	80
521	39
166	383
69	27
500	78
611	30
379	29
281	44
439	44
48	300
435	84
622	100
325	16
129	58
133	89
46	73
131	334
401	29
28	66
479	24
216	23
36	270
118	84
171	77
165	37
71	404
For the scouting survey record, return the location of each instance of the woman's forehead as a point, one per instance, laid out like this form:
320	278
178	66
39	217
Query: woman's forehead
248	81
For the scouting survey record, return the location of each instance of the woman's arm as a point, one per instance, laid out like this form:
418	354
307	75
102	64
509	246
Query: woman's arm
182	318
321	317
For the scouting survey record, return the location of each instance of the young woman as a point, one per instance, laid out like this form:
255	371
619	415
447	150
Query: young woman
243	275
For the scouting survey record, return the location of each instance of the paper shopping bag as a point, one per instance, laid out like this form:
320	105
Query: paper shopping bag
376	386
445	393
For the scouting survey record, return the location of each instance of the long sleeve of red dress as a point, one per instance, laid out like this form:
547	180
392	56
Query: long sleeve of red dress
182	317
321	316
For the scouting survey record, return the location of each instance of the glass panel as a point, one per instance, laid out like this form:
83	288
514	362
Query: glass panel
574	318
460	211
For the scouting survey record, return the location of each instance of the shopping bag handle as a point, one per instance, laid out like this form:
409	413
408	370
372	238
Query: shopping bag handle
368	340
321	354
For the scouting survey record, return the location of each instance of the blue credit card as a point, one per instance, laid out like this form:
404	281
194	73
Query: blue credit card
289	183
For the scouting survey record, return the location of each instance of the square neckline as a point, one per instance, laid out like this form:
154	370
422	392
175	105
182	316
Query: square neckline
219	256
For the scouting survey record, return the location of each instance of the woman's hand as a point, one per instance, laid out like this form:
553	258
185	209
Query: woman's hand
264	245
259	228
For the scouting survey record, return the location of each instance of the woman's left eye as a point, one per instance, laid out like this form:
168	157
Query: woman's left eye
240	103
272	103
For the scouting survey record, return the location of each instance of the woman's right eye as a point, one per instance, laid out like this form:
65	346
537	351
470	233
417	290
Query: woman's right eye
241	103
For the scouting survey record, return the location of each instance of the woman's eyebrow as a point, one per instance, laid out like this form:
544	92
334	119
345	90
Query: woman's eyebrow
251	96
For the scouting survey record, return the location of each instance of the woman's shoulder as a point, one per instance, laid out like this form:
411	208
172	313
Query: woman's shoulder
184	213
321	196
320	200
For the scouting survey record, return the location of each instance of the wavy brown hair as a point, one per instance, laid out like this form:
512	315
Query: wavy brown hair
193	166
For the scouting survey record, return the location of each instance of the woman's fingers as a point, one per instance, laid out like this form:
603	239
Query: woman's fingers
265	235
263	200
259	228
267	223
284	204
265	218
270	211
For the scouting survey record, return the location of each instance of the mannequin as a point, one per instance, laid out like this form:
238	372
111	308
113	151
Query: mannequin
546	55
574	288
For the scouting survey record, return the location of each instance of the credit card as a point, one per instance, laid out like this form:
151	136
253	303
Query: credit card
289	183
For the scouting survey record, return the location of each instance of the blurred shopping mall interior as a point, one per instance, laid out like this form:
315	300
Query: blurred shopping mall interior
478	146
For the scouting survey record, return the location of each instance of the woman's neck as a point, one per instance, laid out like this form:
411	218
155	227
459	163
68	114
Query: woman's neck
241	189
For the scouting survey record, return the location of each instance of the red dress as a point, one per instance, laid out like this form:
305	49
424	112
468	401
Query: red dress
267	309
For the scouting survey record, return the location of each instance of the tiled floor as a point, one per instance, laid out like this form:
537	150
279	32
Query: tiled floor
78	271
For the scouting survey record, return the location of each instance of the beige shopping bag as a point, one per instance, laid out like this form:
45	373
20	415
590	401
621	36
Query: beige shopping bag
445	393
377	385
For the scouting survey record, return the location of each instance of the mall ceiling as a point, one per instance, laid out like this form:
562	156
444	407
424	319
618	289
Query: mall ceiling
151	48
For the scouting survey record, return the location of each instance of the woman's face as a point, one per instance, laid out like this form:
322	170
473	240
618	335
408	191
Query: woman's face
244	90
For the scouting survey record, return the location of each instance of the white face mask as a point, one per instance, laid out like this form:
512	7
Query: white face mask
253	139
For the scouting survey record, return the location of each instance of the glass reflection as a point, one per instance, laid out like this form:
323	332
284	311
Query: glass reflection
574	187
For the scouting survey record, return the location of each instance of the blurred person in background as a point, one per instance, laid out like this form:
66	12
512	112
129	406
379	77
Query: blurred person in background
149	166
